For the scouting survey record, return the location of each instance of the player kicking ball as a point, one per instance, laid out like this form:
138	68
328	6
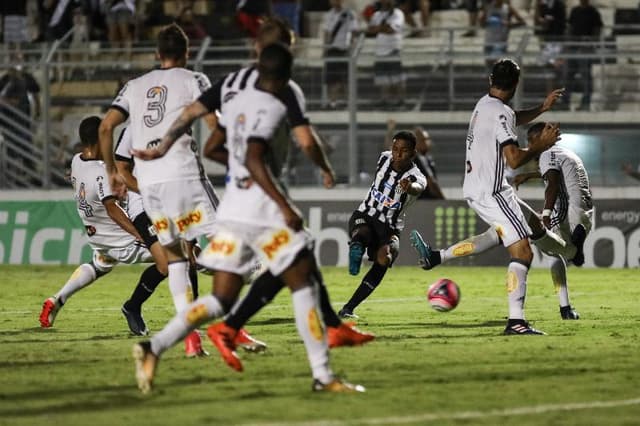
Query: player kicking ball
115	235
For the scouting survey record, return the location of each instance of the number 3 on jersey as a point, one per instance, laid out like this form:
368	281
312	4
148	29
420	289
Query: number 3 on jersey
155	108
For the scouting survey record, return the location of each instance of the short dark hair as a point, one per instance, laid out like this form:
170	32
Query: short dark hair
275	62
274	30
172	42
505	74
535	129
406	136
88	130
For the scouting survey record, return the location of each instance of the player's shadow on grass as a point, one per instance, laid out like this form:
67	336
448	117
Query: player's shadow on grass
273	321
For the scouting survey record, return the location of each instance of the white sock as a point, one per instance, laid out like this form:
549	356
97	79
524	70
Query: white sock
517	289
81	277
311	329
552	244
558	269
179	284
201	310
474	245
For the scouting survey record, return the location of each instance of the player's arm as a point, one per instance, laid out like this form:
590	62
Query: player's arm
260	173
214	149
551	192
178	128
111	120
517	156
118	215
528	115
125	169
312	145
523	177
434	188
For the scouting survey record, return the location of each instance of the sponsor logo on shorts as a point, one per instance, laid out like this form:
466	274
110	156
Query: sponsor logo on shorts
280	239
161	225
223	247
191	218
512	282
315	327
463	249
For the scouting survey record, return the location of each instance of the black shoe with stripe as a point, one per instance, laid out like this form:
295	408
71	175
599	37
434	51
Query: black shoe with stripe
519	326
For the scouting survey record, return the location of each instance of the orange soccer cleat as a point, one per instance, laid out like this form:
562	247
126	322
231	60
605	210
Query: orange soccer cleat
248	343
193	345
50	309
336	386
346	334
223	337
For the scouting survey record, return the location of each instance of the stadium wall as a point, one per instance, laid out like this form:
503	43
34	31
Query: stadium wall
42	227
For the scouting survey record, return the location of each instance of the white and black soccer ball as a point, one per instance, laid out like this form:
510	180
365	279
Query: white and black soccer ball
443	295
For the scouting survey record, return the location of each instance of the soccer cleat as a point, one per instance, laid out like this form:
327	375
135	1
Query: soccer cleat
336	386
578	236
248	343
135	321
146	363
50	309
356	251
521	327
424	250
347	313
223	337
568	313
193	345
346	334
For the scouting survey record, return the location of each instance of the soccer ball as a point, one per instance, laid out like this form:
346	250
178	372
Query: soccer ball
443	295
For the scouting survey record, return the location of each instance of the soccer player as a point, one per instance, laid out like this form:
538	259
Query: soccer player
255	219
266	286
177	195
114	234
568	212
491	145
376	224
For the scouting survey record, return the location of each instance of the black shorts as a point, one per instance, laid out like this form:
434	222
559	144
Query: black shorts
381	233
336	72
146	229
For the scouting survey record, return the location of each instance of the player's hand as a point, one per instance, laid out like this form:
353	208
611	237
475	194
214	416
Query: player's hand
292	217
118	186
328	179
150	153
405	184
546	221
551	99
548	137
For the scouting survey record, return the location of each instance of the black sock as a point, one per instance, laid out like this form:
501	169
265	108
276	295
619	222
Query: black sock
329	316
149	280
435	258
369	283
262	291
193	277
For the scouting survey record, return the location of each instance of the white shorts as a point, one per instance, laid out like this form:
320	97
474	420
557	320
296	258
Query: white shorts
574	216
502	212
183	209
105	259
236	247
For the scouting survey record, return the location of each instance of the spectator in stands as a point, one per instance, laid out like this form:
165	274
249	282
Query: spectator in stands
288	10
585	24
250	15
409	8
120	18
339	25
424	160
497	17
473	6
629	171
58	17
550	18
14	22
190	25
387	25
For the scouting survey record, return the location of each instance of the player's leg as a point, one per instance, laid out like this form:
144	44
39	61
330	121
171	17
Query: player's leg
384	257
300	279
558	269
132	308
84	275
361	235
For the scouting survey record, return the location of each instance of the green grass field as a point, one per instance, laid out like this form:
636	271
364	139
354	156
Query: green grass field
424	367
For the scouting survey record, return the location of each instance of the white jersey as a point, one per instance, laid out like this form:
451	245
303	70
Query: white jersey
153	102
339	25
386	44
574	190
492	126
253	113
91	188
385	201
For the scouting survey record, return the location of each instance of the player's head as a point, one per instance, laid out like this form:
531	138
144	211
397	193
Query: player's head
275	63
173	43
505	75
403	148
273	30
535	130
88	131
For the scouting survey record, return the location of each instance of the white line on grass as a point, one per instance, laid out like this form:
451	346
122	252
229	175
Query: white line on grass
430	417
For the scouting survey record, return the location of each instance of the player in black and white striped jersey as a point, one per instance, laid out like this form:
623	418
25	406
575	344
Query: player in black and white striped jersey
376	224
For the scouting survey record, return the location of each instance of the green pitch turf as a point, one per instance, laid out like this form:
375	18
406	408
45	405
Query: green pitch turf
424	367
